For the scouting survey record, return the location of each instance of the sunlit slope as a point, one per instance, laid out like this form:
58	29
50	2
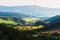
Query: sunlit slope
8	22
30	19
29	27
36	27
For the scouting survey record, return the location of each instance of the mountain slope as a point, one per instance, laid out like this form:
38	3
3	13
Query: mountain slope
53	24
53	20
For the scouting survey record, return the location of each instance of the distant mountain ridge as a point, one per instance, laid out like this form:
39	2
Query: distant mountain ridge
32	10
13	14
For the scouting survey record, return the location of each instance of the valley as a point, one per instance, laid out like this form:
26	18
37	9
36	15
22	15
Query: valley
33	29
16	27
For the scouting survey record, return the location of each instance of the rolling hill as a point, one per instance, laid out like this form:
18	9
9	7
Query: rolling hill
14	14
18	17
52	24
53	20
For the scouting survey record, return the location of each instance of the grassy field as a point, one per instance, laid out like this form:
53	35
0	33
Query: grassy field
22	27
8	22
28	27
30	19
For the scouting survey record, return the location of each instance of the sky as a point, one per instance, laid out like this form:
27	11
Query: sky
42	3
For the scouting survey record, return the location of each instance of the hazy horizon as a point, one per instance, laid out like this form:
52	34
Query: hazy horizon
42	3
45	6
